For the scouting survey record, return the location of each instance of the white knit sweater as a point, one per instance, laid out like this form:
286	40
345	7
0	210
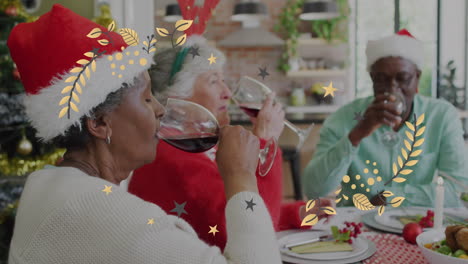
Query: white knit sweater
65	217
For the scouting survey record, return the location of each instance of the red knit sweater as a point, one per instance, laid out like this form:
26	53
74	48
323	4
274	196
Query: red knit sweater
178	176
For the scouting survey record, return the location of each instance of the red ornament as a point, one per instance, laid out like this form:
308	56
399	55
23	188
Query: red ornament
411	231
11	11
16	74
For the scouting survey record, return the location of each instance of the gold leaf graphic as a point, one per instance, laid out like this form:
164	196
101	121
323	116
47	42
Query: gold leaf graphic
338	191
181	40
111	26
183	25
328	210
410	126
89	54
75	97
78	88
419	142
162	32
64	100
387	193
397	201
70	79
76	69
87	72
399	179
411	163
404	153
94	33
152	50
381	209
82	80
145	43
345	197
310	204
400	162
410	136
420	131
416	153
361	202
63	111
394	168
406	172
310	220
82	62
420	120
338	200
103	42
67	89
408	145
130	36
73	106
93	66
153	41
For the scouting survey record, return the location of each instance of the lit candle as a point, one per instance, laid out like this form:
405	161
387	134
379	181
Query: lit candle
439	203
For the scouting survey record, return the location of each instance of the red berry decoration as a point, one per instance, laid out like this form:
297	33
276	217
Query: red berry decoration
428	220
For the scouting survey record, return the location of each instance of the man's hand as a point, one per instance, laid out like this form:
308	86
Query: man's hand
383	111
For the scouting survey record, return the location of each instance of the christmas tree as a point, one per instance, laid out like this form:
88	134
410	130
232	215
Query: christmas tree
20	151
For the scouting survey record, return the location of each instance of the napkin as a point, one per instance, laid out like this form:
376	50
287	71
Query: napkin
323	246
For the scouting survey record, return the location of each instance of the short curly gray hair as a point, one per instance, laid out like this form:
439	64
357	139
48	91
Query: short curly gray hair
193	66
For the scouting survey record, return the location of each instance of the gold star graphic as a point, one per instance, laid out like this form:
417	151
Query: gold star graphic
329	90
150	221
107	189
213	230
212	59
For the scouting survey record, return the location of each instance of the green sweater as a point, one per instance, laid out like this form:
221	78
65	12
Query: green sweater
335	157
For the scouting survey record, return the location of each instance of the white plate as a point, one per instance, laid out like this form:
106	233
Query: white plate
359	247
433	257
369	220
389	218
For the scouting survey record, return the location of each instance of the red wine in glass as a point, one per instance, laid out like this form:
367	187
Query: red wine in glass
193	143
250	109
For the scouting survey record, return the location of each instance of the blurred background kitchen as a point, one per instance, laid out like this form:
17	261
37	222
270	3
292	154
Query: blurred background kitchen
302	46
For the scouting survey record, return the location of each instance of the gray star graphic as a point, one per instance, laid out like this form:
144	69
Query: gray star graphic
250	204
194	51
179	208
263	73
358	116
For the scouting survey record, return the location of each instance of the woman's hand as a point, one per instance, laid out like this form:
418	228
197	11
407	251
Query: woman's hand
323	203
237	159
269	122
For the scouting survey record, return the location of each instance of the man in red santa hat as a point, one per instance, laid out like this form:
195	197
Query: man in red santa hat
362	142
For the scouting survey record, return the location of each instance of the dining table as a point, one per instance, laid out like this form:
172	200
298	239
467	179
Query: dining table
391	248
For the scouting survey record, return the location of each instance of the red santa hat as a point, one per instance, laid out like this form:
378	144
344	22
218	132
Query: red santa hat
69	64
402	44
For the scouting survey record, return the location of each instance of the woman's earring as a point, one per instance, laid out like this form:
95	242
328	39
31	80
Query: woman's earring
108	140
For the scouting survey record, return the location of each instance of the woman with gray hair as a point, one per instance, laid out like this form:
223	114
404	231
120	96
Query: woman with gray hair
195	177
76	212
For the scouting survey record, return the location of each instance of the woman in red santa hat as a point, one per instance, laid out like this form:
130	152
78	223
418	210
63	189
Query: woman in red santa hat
195	179
88	90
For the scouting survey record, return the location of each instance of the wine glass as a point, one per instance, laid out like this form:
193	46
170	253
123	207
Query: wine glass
249	96
191	127
391	137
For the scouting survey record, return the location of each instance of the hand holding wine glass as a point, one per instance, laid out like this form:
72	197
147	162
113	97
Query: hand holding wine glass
236	157
384	110
269	121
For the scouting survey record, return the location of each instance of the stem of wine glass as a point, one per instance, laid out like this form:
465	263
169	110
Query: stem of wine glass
301	133
266	157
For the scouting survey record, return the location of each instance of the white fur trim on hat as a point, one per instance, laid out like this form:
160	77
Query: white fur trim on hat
395	46
43	108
